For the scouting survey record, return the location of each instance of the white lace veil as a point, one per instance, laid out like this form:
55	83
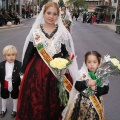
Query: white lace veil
73	67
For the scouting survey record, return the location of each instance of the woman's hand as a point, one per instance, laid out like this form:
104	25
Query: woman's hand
63	71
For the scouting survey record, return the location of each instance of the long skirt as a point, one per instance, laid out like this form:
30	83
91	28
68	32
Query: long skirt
81	108
38	97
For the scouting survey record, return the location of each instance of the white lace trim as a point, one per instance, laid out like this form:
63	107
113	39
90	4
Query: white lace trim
53	45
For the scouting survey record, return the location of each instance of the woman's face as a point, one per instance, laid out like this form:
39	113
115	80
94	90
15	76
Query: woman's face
64	9
50	15
92	63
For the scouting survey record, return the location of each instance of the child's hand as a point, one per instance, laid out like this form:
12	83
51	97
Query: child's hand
93	87
21	77
91	83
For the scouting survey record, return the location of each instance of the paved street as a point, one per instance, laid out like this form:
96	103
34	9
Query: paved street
105	41
86	37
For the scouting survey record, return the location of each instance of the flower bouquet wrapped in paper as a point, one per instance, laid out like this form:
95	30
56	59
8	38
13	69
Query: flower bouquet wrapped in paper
60	65
110	66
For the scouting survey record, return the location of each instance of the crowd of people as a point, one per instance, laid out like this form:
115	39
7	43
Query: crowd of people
33	85
14	17
98	17
8	16
26	13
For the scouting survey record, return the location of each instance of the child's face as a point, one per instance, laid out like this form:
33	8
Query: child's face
92	63
10	56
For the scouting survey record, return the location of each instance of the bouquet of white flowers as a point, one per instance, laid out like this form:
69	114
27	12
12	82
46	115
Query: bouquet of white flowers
109	67
59	65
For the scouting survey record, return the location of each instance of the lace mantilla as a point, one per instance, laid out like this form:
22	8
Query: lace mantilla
53	45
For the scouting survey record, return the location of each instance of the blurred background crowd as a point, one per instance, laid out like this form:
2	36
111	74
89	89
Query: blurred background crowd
91	10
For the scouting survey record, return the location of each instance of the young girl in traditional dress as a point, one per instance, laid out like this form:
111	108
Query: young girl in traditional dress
87	105
39	94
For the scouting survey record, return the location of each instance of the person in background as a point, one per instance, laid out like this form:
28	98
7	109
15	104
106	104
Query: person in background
66	17
84	17
76	15
86	105
98	18
113	18
38	98
90	18
9	79
93	18
23	12
3	20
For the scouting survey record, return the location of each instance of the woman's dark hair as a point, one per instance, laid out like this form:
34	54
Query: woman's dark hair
63	7
95	53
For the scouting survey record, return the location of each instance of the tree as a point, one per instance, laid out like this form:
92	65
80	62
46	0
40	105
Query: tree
76	4
43	2
60	3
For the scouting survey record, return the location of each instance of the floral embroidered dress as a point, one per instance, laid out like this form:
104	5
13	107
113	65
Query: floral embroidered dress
38	98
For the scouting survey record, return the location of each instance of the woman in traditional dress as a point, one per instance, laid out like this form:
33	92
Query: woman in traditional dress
48	39
66	17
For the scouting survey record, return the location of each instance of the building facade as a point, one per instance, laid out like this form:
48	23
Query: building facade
17	5
92	4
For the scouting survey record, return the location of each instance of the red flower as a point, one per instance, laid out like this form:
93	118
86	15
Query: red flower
71	56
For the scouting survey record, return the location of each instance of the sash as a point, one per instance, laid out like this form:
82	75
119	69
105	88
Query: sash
47	58
97	106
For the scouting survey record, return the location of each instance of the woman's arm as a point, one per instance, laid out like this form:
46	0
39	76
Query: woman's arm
63	53
28	55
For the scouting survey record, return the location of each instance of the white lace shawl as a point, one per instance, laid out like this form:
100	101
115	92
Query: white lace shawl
53	45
